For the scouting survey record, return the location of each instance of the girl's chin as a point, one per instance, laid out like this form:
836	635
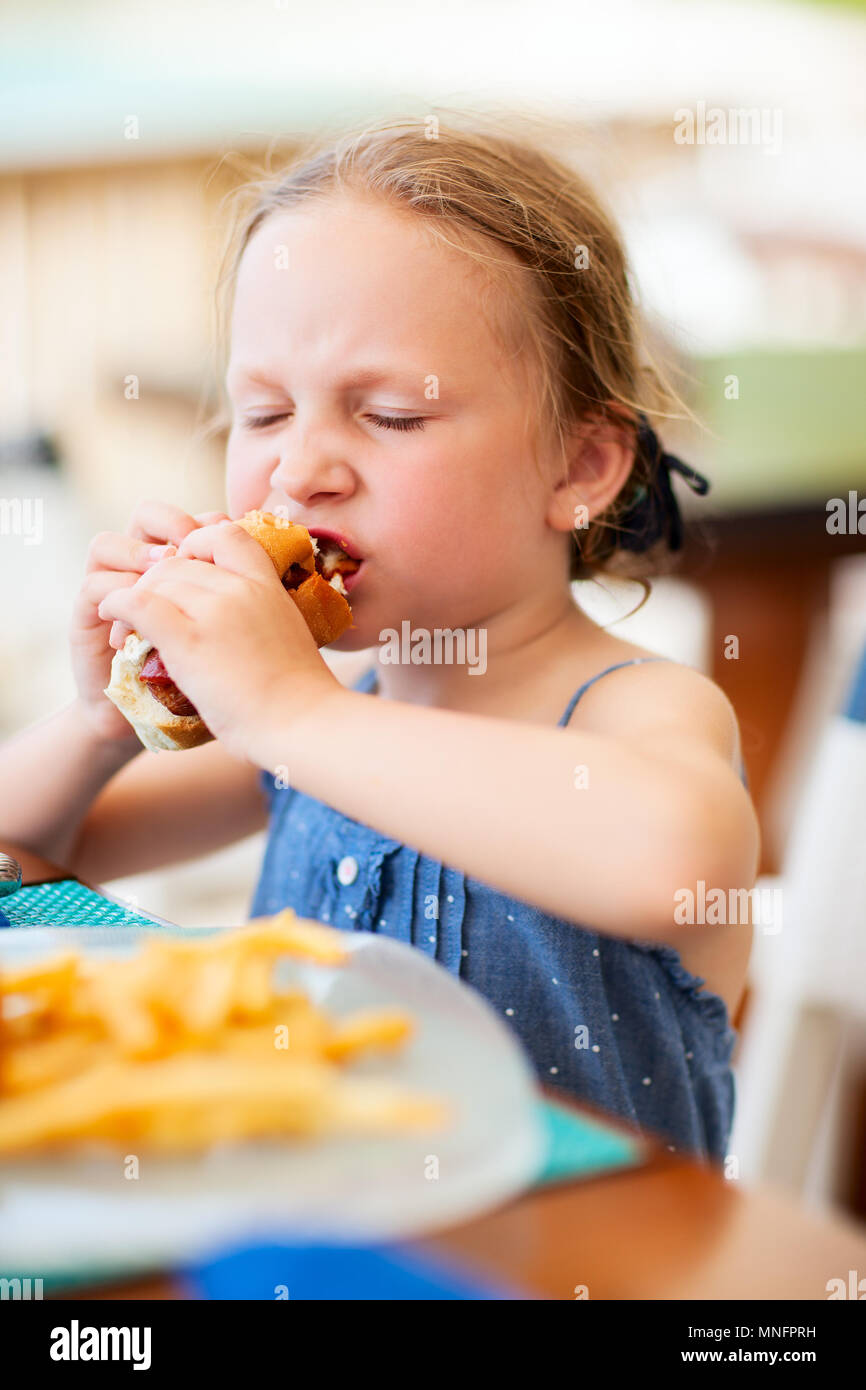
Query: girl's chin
356	639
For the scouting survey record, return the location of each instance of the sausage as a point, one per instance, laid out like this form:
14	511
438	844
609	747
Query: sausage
162	687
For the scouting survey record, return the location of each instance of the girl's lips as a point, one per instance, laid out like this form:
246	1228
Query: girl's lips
334	536
350	580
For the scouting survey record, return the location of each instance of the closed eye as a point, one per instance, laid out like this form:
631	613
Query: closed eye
398	422
261	422
387	422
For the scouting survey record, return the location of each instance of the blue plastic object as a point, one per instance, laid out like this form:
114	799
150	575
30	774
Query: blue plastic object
334	1272
855	707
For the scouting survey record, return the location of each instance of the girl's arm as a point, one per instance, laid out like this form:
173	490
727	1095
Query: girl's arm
592	826
50	774
104	808
659	807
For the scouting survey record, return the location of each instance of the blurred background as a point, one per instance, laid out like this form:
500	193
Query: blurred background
729	139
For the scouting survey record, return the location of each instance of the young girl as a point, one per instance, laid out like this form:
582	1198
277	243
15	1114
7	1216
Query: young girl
434	357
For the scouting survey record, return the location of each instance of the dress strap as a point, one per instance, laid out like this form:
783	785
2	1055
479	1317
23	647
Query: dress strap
367	682
635	661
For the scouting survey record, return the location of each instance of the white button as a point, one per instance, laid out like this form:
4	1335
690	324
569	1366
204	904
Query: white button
347	870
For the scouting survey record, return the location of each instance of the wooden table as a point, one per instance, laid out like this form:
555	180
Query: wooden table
673	1229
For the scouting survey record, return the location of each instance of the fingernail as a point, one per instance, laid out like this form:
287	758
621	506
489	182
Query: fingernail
159	552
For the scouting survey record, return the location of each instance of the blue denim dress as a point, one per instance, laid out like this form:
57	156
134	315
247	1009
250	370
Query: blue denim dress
617	1022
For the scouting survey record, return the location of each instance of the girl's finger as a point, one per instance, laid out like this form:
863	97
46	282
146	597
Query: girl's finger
94	589
179	569
231	548
195	601
111	550
118	634
157	521
151	614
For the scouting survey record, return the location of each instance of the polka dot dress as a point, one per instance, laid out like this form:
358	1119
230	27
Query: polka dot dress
613	1021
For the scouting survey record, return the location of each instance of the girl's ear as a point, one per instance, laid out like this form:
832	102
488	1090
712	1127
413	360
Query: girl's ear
599	458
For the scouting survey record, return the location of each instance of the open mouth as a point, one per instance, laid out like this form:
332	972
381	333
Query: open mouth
336	566
339	568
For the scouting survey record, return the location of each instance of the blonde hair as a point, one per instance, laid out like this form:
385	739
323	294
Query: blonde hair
564	271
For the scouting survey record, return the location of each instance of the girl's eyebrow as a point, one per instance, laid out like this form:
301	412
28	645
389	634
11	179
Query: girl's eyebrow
362	376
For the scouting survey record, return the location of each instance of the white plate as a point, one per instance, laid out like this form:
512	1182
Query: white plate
62	1214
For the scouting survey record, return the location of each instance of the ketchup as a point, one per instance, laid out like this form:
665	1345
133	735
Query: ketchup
162	687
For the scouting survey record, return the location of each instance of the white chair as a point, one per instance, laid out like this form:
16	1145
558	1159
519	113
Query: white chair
804	1037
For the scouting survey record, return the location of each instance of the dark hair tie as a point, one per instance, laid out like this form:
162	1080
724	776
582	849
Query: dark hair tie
654	514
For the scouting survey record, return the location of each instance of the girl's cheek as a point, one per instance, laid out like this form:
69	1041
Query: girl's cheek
246	478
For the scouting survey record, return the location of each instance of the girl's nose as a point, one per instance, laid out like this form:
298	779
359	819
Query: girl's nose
303	474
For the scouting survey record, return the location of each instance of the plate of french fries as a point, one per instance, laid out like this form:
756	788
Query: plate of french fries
162	1091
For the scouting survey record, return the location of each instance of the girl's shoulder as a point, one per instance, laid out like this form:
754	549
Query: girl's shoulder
636	697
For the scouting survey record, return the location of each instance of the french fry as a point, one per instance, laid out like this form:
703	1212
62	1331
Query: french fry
253	990
371	1028
43	1060
127	1020
179	1102
53	976
188	1043
291	935
284	934
209	1005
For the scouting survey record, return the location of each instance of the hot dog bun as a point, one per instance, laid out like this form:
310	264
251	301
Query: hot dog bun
322	605
159	729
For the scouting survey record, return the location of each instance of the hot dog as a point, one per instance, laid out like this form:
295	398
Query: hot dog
312	573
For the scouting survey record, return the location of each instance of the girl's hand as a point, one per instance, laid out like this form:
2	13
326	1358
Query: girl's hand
229	635
118	560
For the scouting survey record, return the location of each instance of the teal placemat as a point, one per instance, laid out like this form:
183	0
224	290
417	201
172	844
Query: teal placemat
68	904
578	1147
